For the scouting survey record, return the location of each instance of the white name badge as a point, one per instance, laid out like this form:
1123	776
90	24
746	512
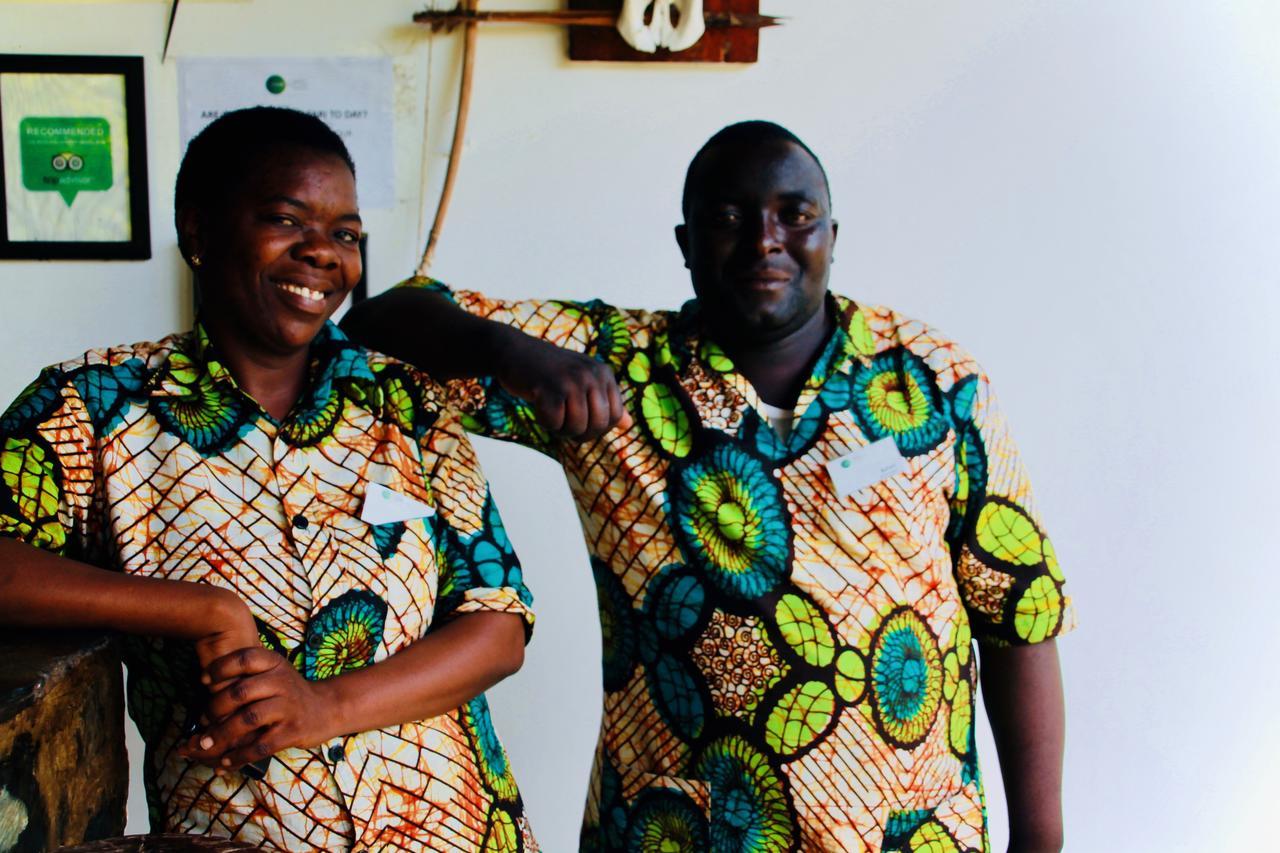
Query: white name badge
866	466
383	506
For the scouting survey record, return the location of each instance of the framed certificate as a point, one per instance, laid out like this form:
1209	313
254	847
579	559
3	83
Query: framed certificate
73	154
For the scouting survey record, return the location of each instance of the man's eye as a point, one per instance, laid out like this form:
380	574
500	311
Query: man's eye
798	217
726	217
348	236
282	219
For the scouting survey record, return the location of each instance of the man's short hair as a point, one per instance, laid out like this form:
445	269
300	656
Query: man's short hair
754	132
225	153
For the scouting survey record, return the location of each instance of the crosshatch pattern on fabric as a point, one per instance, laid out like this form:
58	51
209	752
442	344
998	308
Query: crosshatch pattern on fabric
149	459
785	668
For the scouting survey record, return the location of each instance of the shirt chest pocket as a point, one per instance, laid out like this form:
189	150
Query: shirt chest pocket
899	519
398	561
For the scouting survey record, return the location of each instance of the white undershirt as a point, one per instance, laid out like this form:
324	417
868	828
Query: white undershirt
780	419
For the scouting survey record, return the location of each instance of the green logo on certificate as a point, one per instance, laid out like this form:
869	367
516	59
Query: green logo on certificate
275	84
65	155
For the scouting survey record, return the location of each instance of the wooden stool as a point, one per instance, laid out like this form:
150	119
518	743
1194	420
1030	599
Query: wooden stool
64	776
160	844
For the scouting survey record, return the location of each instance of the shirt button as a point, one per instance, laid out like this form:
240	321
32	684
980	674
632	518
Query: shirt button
300	522
336	752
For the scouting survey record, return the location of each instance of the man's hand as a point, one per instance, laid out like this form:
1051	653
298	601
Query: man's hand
263	706
572	395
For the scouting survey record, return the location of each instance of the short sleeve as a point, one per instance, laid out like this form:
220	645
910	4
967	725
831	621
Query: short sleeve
47	467
487	409
479	570
1006	567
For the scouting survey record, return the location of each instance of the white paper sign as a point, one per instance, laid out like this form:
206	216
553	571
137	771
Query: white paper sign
383	506
353	96
866	466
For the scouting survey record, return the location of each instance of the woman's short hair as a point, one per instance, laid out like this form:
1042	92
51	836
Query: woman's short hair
224	154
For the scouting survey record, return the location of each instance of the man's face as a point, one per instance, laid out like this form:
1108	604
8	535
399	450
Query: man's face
758	240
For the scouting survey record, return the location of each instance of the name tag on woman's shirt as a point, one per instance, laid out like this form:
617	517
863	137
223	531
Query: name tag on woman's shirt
384	506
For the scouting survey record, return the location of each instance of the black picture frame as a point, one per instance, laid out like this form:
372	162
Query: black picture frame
134	242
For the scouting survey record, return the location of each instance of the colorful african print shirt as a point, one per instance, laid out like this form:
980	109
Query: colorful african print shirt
149	459
786	668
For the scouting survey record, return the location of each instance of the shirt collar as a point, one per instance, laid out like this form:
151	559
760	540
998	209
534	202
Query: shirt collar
334	360
852	339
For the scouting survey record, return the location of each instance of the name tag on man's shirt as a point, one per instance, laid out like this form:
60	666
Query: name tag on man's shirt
866	466
384	506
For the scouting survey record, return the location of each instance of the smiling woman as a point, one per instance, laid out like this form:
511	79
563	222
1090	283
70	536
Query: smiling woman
333	695
272	231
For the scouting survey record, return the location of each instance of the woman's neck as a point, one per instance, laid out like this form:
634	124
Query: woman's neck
274	380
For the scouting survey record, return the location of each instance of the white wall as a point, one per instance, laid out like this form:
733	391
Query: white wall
1082	193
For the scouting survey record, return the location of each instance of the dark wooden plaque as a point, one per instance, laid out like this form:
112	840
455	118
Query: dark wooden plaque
603	44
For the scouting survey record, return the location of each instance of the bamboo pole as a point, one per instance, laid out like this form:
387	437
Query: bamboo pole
459	132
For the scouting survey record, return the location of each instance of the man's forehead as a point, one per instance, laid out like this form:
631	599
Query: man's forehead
774	168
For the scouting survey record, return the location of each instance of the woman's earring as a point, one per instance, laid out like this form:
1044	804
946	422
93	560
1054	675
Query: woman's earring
196	260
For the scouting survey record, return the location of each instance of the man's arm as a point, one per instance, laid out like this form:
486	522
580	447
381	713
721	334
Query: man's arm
1022	689
428	330
571	394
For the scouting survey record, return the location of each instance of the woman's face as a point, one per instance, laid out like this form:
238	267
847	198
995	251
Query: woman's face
283	254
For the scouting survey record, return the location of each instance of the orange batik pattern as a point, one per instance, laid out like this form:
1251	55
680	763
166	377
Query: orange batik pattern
786	668
150	460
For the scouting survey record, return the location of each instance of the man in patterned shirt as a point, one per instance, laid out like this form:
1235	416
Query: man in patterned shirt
808	511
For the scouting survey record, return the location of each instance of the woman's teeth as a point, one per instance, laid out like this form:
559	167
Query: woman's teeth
304	292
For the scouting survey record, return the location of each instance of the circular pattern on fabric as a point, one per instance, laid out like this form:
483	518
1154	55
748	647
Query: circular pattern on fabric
1006	532
208	417
859	341
306	427
609	830
800	717
731	521
502	835
932	837
678	696
666	419
107	391
851	676
666	821
1051	560
950	675
400	398
960	725
639	368
971	478
898	396
906	678
804	629
33	404
491	758
750	812
344	635
617	631
613	341
676	603
1039	610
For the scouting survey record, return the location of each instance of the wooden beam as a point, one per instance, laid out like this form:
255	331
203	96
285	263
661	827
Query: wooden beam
572	18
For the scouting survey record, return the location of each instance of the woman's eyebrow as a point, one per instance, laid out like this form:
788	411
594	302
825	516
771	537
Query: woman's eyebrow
290	200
